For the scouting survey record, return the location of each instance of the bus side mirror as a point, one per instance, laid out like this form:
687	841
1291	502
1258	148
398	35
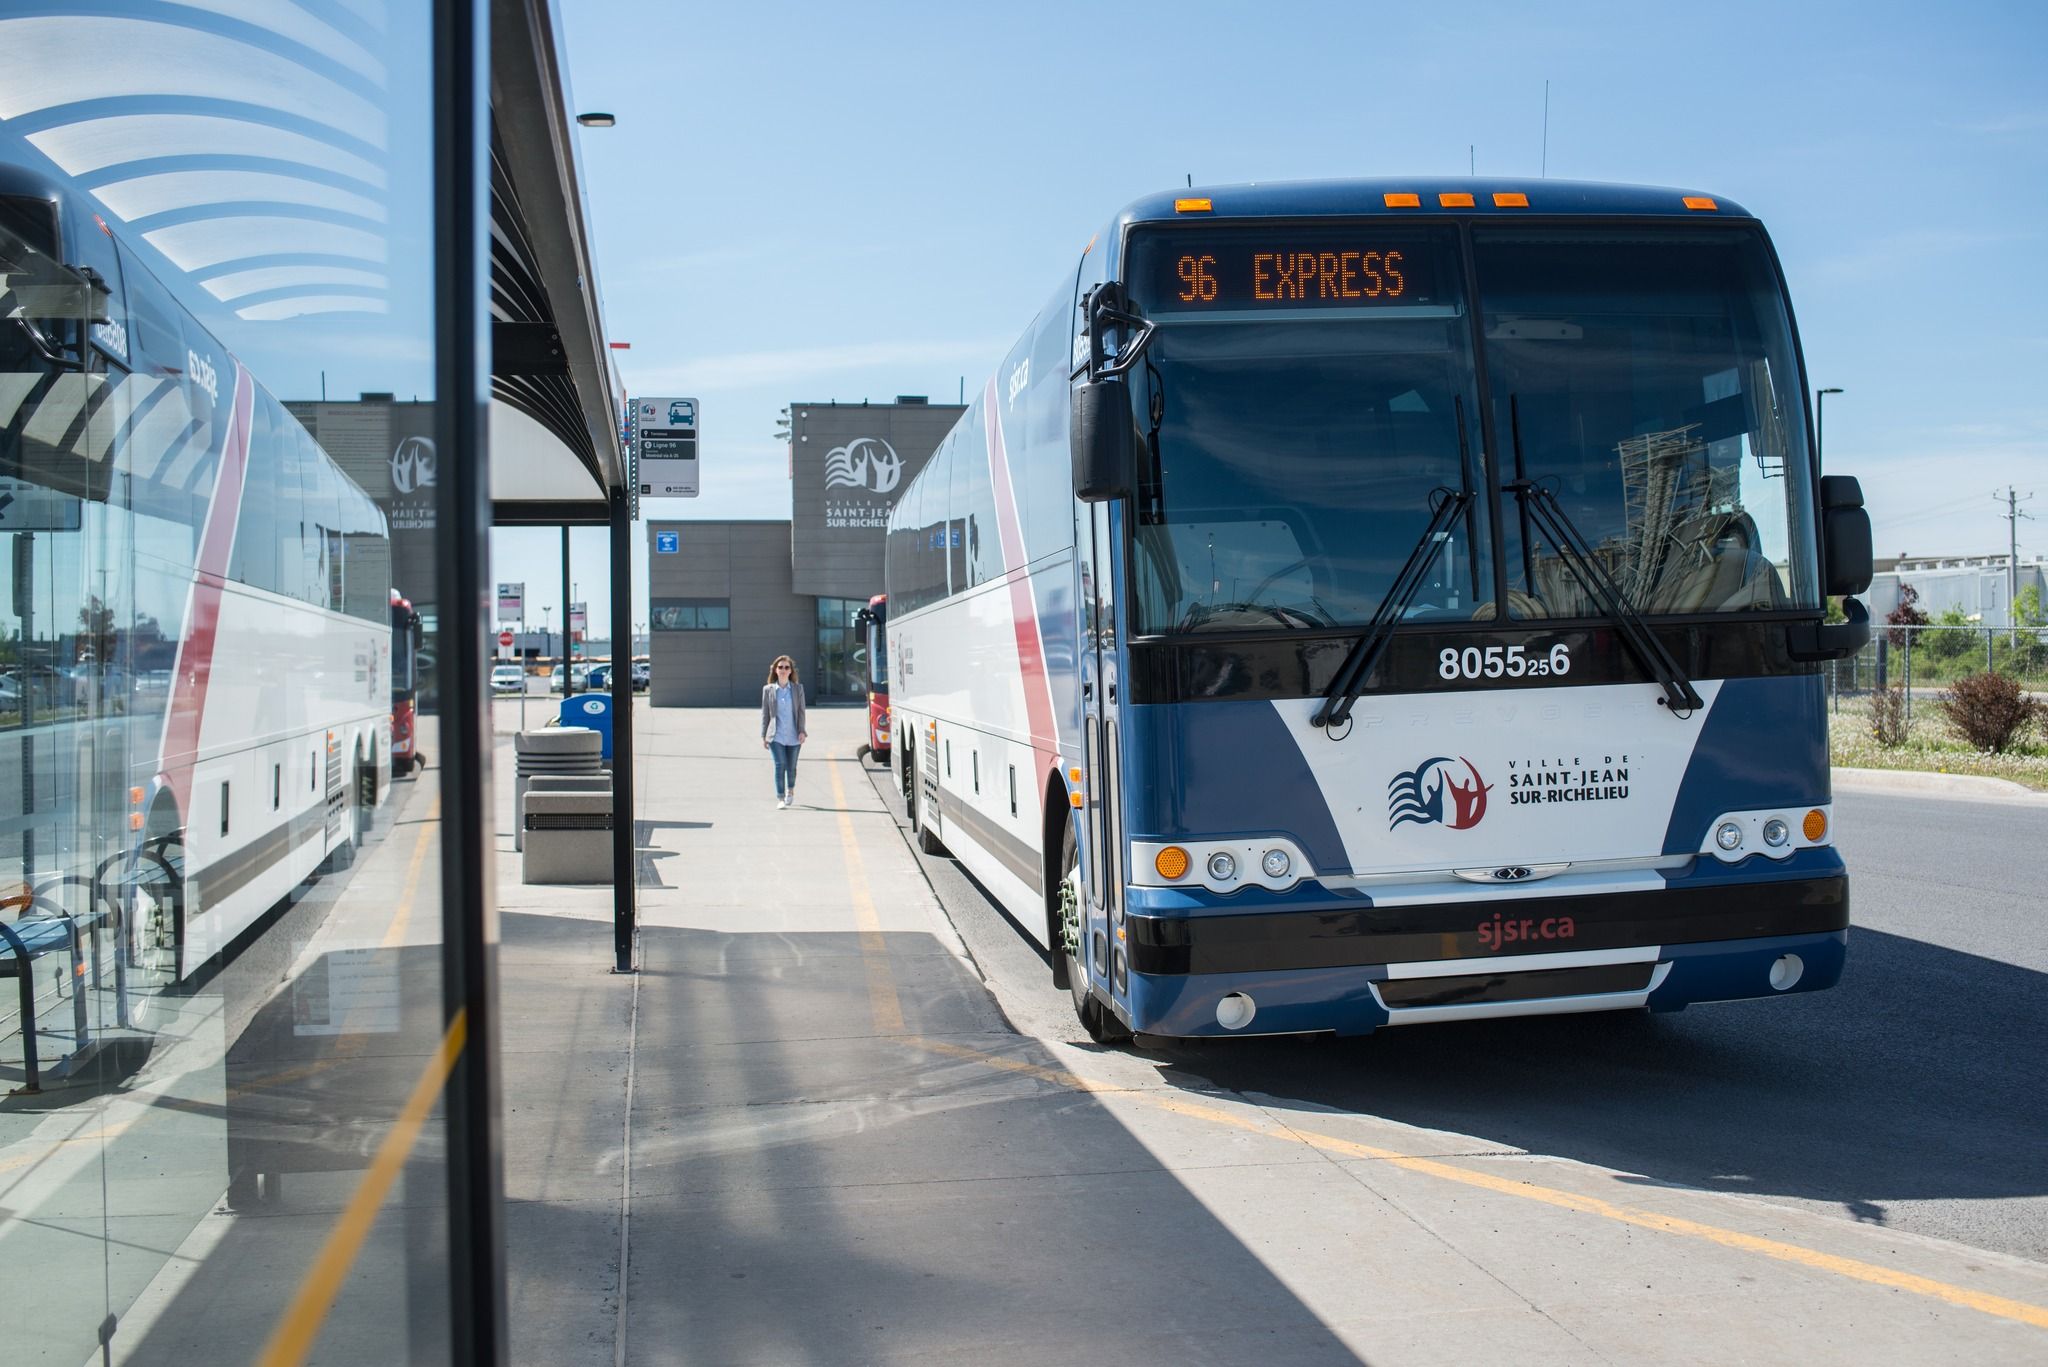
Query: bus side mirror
1103	441
1845	568
1846	563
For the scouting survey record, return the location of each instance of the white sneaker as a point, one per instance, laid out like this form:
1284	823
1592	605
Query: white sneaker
783	802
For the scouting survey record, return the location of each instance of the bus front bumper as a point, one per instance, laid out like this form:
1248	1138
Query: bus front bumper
1350	968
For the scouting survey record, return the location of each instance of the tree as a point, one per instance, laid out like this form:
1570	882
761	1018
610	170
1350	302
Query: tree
1907	614
96	631
2027	611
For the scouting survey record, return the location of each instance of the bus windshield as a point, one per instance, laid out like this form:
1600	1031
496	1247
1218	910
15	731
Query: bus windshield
1307	414
1299	449
1647	379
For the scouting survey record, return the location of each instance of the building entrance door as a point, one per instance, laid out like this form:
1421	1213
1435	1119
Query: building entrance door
841	645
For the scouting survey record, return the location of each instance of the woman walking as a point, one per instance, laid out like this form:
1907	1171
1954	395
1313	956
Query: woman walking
782	724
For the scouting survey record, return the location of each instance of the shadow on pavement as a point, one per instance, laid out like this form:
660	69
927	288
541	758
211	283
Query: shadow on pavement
1918	1078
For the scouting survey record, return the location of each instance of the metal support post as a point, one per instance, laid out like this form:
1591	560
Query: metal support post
568	623
625	838
461	133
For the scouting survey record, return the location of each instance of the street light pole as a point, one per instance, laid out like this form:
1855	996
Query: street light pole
1820	425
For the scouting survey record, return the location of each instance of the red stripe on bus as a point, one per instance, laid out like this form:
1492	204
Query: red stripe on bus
202	619
1045	737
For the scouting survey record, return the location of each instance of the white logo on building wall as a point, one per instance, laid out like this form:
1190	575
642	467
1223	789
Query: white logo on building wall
863	463
412	465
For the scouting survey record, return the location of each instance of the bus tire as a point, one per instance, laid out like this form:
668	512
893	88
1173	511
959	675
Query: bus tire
920	820
1097	1019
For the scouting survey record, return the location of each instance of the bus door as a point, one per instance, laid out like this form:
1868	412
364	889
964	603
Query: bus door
1099	685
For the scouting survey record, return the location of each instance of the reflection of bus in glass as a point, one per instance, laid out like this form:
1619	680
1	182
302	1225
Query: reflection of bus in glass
233	582
873	620
405	658
1360	604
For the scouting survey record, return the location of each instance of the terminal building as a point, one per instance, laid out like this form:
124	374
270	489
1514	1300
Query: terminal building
728	597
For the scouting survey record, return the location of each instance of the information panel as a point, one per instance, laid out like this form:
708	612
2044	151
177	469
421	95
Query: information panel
1372	265
666	431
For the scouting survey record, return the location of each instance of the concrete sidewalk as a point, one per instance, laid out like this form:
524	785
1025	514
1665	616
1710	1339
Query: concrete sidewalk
806	1133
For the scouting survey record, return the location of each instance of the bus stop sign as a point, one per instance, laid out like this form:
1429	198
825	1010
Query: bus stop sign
666	431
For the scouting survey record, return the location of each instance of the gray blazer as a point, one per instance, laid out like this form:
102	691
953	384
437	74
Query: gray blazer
796	710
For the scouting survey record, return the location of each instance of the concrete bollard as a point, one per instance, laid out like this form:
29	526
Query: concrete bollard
568	838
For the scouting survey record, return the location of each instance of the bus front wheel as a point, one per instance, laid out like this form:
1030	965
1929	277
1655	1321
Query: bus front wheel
1098	1020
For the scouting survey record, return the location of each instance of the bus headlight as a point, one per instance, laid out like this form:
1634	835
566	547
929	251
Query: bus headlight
1735	836
1273	862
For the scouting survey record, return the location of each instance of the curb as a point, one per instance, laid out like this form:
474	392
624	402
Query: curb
1925	783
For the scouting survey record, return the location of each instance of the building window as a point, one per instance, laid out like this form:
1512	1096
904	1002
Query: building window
692	614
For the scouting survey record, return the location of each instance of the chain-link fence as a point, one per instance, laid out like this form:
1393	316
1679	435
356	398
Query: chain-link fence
1926	659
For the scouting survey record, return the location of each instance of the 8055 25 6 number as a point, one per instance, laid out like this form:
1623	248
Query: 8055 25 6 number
1503	662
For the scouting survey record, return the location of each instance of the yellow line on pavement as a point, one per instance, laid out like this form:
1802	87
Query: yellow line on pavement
300	1324
883	1004
429	826
1981	1301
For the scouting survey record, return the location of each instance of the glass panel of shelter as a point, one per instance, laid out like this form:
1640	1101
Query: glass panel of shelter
196	702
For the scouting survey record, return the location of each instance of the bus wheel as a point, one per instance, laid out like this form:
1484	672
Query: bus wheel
927	839
1098	1020
366	798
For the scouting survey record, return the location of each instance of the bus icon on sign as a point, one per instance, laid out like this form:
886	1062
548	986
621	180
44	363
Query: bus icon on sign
667	543
679	413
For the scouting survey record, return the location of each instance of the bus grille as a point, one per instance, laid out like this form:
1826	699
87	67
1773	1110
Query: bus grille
1533	985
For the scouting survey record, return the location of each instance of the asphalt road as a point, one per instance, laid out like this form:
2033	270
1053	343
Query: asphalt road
1913	1096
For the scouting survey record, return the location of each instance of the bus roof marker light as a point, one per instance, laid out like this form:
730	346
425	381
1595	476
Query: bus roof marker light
1700	202
1198	205
1457	199
1816	825
1510	199
1398	200
1171	862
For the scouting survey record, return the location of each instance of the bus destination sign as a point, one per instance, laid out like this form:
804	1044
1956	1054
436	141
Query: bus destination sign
1362	268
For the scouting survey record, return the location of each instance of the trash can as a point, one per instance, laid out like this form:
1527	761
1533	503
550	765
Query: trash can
592	710
561	751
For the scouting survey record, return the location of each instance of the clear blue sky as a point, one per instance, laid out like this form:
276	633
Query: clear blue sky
830	201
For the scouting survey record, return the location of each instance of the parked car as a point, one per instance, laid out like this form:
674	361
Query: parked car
508	679
600	678
581	673
643	675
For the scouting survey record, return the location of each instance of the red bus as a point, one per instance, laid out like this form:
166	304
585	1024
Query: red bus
405	684
874	619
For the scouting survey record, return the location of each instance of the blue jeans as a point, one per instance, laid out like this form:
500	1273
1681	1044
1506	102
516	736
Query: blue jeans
785	767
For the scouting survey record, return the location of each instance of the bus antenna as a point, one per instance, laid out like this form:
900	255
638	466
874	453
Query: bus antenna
1544	173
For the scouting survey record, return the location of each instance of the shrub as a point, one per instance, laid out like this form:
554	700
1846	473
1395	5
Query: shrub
1907	614
1990	711
1888	717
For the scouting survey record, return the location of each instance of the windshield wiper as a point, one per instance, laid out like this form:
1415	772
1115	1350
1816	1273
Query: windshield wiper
1372	643
1679	694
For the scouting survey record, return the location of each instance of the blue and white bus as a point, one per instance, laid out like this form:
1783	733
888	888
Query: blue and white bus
1371	603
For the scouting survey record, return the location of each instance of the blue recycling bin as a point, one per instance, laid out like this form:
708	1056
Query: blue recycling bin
592	710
